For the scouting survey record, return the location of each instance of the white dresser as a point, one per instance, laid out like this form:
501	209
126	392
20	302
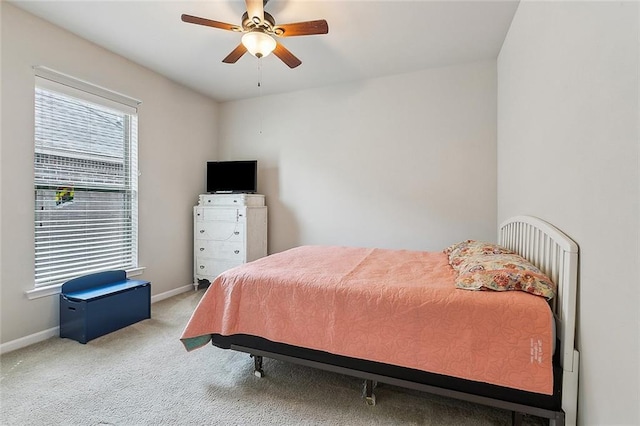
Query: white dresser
229	230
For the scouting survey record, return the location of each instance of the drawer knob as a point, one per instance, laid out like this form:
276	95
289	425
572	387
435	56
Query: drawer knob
236	233
201	248
201	266
236	251
202	231
235	201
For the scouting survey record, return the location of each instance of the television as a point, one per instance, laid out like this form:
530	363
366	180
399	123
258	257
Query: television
232	176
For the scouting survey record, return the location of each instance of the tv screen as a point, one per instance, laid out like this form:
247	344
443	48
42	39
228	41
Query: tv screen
232	176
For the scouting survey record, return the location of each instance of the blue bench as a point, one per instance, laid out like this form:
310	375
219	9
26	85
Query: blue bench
96	304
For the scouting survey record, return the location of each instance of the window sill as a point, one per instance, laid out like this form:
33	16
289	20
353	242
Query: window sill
52	290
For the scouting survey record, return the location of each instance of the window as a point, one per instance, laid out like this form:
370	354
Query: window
85	180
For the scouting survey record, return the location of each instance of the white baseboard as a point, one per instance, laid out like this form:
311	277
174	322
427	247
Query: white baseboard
171	293
29	340
55	331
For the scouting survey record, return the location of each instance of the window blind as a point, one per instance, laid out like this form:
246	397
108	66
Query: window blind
85	185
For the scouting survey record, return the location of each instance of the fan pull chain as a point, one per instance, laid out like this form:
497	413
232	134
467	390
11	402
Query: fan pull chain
260	88
260	77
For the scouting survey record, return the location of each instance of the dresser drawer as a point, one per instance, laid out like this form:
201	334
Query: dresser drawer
209	269
228	250
221	214
249	200
219	231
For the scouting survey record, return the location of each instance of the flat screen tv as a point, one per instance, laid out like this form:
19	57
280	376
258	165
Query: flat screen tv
232	176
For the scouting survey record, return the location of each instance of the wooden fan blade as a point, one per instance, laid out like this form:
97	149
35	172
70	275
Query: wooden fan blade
236	54
302	28
209	23
255	10
285	56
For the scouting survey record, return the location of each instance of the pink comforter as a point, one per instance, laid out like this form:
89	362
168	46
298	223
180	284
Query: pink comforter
392	306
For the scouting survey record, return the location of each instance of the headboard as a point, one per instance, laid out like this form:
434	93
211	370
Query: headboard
555	254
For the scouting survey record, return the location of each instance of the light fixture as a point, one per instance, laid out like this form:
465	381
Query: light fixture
258	43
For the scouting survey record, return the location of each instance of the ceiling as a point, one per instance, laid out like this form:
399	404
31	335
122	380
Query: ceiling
366	39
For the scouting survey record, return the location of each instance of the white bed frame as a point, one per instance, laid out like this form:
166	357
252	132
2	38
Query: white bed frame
557	256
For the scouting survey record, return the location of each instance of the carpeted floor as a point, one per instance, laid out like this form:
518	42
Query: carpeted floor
142	375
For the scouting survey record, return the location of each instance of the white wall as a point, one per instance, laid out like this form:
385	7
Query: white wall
568	153
407	161
177	134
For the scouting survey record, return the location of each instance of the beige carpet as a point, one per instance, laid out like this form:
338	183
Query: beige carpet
142	375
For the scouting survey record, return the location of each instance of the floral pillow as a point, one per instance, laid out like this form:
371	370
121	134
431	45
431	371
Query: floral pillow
485	266
464	251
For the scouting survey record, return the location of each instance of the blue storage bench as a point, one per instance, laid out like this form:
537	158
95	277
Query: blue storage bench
96	304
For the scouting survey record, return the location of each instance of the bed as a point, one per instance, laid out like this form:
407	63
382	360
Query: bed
407	318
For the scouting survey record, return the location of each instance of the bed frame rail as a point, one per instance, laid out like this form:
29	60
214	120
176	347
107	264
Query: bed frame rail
372	379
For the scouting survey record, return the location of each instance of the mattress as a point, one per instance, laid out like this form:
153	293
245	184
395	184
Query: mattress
395	307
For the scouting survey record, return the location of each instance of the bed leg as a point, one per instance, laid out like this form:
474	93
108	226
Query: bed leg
516	418
367	392
559	421
257	365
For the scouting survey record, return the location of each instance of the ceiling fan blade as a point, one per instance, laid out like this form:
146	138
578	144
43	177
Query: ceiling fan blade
255	10
236	54
302	28
209	23
285	56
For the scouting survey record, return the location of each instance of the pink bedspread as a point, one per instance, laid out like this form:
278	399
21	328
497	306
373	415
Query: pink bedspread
391	306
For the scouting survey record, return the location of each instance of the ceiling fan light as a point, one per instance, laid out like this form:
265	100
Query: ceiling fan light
258	43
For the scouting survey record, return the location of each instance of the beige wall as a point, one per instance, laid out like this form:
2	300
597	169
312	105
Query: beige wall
568	153
177	134
407	161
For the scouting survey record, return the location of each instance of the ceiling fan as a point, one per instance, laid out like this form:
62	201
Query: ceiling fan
259	27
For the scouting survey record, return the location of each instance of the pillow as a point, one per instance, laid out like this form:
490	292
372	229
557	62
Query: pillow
485	266
470	250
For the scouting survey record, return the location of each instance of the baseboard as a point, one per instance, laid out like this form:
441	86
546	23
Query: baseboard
55	331
171	293
29	340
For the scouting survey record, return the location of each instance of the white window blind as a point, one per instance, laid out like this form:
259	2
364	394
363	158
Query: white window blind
85	184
